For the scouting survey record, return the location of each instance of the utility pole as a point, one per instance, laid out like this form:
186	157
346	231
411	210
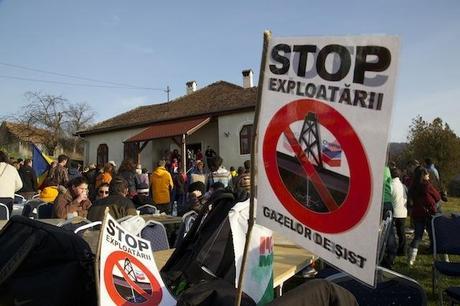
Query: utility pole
168	90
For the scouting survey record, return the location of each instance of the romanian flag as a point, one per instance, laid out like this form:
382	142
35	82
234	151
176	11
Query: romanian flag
41	164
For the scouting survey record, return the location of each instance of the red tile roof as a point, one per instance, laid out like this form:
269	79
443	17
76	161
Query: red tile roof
215	99
169	129
24	132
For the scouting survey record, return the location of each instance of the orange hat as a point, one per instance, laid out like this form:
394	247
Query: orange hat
48	194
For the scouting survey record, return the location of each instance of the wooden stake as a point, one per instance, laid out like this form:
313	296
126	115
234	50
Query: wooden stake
267	37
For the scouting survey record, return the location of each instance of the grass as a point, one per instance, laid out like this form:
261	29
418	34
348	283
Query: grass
421	271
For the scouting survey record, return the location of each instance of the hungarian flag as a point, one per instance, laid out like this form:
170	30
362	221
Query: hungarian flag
41	164
331	153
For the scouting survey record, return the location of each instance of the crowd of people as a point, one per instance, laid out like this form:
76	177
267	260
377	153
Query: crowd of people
87	192
417	193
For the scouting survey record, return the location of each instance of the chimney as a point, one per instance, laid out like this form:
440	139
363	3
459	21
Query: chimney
247	78
191	87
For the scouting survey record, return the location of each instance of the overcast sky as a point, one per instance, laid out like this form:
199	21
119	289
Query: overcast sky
156	44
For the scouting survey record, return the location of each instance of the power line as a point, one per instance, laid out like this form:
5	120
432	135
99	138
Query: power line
80	78
77	84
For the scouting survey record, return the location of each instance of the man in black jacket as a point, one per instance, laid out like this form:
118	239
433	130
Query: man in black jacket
29	180
119	205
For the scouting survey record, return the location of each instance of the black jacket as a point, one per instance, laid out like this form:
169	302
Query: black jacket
119	205
29	179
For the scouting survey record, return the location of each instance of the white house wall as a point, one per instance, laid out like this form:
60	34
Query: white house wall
229	138
114	141
207	136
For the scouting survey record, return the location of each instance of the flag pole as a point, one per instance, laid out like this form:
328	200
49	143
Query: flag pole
267	37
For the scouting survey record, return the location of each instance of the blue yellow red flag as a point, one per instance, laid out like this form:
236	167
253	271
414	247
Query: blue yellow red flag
41	164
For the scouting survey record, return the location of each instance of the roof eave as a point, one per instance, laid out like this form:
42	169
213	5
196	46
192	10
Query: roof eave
146	123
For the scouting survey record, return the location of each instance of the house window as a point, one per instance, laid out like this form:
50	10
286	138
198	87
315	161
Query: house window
102	154
130	151
245	139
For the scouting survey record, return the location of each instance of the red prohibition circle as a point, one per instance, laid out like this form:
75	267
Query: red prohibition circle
357	200
151	299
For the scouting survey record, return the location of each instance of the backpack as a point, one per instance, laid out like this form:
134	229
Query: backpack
206	252
42	264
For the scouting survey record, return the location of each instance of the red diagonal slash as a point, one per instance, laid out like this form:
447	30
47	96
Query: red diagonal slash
324	193
132	283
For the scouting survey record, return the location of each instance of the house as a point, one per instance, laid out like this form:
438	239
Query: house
17	138
219	115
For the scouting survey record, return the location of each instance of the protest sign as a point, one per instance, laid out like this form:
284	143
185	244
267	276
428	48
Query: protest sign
323	131
128	273
258	278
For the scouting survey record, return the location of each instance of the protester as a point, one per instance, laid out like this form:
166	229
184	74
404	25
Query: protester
198	173
424	198
243	180
114	167
15	164
194	197
29	180
218	172
198	155
209	153
10	181
117	202
142	196
102	191
49	192
128	171
74	170
161	184
391	247
409	175
91	176
233	172
74	200
105	176
179	190
399	201
59	172
142	176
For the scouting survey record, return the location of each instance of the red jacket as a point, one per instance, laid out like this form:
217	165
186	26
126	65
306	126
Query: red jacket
424	200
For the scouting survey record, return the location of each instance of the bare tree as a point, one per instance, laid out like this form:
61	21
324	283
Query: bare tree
79	116
46	112
52	120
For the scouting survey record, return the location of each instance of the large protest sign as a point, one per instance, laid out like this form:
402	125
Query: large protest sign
128	273
323	131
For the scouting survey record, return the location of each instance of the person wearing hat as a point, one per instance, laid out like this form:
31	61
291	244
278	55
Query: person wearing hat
114	167
49	194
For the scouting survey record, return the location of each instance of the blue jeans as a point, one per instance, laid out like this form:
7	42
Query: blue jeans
419	227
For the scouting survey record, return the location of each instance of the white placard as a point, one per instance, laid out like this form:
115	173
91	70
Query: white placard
323	132
128	273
